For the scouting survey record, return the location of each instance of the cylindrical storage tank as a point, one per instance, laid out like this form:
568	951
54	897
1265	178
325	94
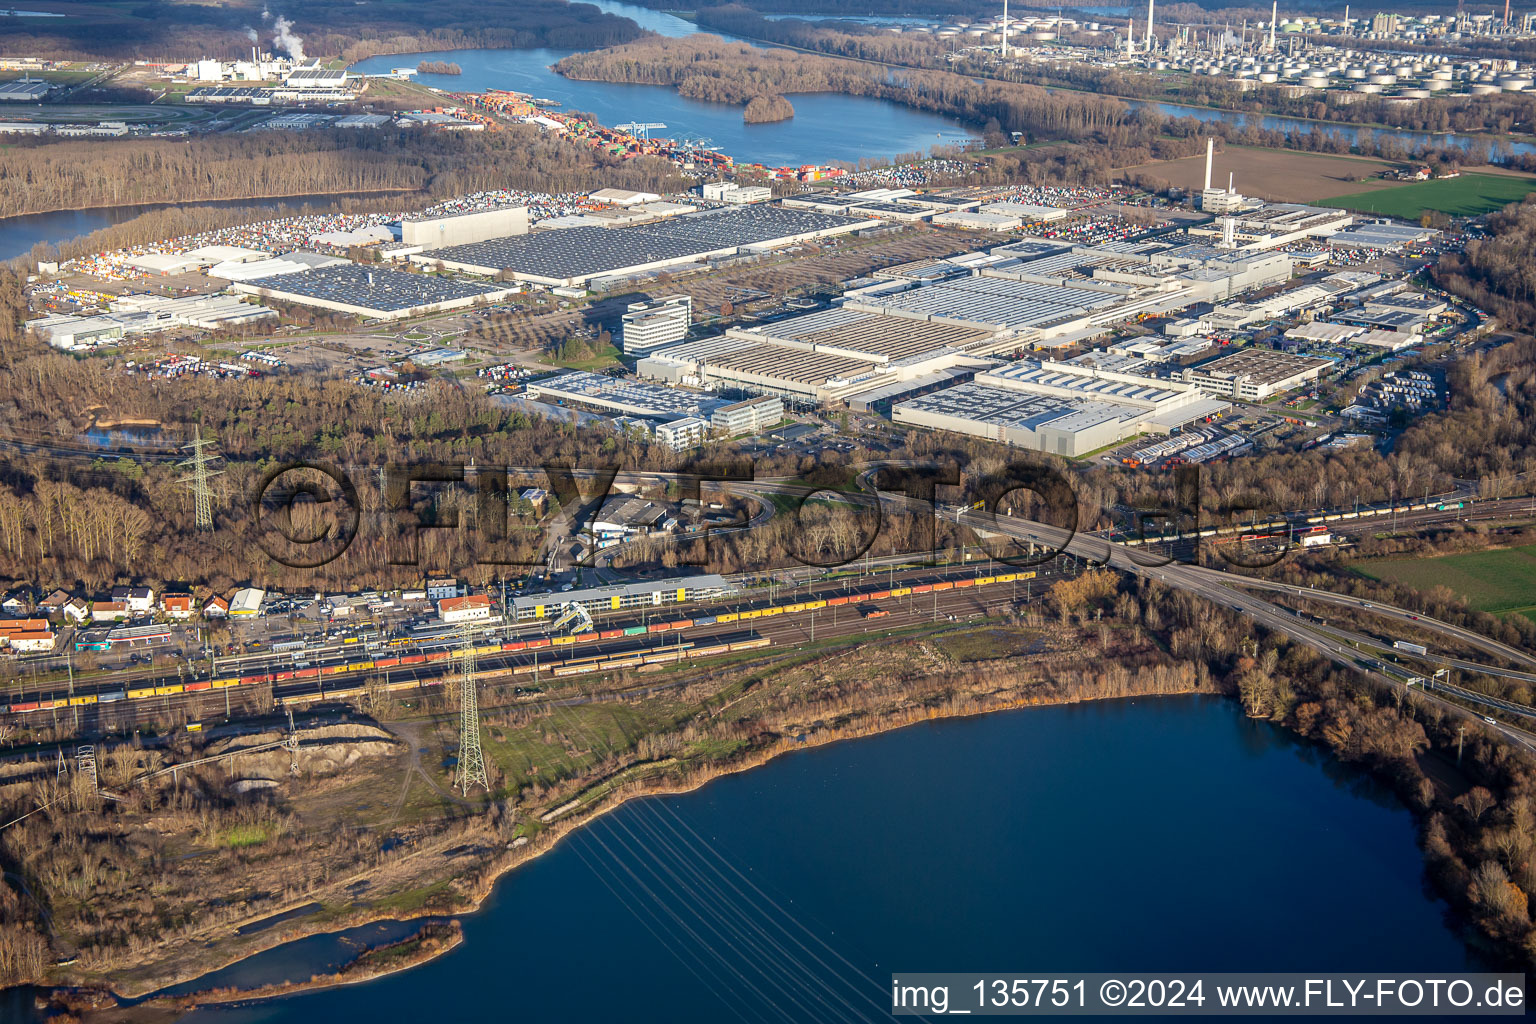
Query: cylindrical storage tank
1436	84
1367	87
1414	94
1441	75
1356	73
1383	79
1484	89
1514	83
1269	77
1315	82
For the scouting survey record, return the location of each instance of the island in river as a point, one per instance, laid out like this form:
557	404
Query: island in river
765	109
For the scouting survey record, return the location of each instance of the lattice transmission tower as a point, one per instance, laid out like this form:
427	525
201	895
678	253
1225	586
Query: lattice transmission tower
197	480
471	769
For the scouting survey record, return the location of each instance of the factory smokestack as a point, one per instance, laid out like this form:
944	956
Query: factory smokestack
1005	29
1274	16
1210	150
1151	39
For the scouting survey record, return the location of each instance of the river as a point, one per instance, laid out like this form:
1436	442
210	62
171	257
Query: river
1157	835
826	126
1296	125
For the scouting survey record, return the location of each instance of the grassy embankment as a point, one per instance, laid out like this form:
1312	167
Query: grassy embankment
1500	581
1466	196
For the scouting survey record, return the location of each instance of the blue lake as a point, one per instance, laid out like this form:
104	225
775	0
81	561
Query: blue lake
1153	835
826	126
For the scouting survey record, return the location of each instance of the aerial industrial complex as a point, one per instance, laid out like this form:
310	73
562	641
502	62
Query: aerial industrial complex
581	255
1032	340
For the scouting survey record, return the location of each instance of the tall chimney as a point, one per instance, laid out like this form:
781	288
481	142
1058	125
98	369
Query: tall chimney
1151	39
1005	29
1274	16
1210	149
1346	19
1231	186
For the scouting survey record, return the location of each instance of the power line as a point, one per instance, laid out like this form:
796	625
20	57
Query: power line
471	767
198	479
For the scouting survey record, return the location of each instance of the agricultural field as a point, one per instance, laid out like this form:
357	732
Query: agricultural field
1501	581
1466	196
1274	174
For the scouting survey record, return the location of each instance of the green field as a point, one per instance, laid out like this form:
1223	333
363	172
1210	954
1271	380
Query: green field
1466	196
1502	581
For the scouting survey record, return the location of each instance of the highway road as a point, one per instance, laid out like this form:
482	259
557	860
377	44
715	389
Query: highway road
1219	589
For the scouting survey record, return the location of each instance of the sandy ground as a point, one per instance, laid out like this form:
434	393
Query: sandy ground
1274	174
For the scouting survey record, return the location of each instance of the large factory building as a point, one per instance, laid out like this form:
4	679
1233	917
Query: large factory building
578	256
1060	408
825	357
464	228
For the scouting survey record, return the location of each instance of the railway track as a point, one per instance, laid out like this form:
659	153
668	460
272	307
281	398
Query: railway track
836	609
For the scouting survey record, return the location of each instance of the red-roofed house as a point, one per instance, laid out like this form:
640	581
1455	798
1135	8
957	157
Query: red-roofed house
32	642
177	606
464	609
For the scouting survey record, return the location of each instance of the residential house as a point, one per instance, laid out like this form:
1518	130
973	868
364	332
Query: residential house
17	602
445	587
216	608
109	611
177	606
138	600
16	627
32	643
76	609
54	602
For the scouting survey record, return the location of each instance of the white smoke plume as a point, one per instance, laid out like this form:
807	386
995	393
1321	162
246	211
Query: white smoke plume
285	40
266	15
250	34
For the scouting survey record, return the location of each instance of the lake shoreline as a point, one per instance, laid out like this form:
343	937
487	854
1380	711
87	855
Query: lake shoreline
150	1006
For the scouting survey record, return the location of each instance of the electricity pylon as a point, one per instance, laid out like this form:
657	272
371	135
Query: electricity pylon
198	479
471	769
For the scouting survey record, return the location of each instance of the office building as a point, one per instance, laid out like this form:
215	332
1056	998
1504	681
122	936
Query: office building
648	326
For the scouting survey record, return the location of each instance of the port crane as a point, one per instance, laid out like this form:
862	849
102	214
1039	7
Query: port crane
639	129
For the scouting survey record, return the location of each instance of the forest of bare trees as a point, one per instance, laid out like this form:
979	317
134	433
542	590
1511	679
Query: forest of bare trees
169	32
763	109
709	68
38	176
